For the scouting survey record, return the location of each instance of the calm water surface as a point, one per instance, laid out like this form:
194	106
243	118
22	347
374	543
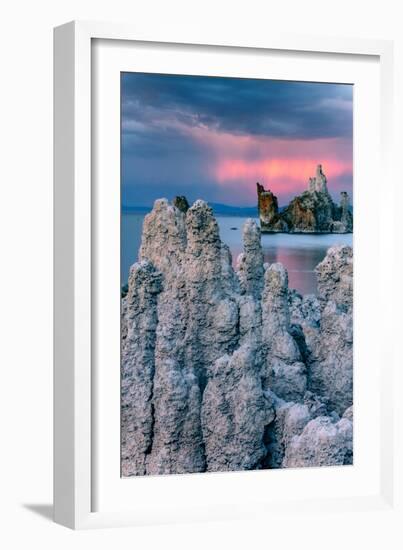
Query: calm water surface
300	254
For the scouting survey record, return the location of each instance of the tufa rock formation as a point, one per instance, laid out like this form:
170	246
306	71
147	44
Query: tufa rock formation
270	218
312	212
181	202
230	370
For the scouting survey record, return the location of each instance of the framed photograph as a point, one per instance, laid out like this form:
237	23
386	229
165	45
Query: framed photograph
219	243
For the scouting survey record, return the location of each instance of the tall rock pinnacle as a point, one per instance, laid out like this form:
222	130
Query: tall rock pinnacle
319	182
311	212
229	370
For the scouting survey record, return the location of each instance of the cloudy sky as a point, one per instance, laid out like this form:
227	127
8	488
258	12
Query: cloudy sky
214	138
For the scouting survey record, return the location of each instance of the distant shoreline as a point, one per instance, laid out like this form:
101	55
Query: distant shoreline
218	214
218	209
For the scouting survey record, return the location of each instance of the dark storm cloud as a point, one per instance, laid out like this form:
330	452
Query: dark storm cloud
287	110
181	133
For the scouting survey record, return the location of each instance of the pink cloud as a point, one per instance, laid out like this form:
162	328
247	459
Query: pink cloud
284	166
237	162
278	171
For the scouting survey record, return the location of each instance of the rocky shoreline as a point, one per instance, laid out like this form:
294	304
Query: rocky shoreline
227	369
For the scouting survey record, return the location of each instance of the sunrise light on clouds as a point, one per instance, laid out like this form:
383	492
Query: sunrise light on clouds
213	138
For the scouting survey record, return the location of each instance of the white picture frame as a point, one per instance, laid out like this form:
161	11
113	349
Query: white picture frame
78	425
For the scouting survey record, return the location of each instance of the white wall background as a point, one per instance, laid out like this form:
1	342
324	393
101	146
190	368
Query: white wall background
26	262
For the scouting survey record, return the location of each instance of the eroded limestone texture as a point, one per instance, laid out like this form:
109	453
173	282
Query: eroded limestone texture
138	359
283	371
235	412
321	443
331	363
227	369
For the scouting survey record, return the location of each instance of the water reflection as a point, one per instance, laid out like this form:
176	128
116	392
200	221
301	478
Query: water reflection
300	263
300	254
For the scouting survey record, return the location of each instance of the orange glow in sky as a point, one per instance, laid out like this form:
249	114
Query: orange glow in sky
277	172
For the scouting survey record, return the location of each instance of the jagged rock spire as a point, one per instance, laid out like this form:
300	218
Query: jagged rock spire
210	357
311	212
321	181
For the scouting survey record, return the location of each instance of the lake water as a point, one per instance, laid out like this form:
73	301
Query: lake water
300	254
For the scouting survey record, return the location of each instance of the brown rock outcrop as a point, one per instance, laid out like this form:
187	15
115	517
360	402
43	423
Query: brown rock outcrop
270	218
311	212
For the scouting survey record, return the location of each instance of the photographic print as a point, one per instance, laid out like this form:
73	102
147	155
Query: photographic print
236	274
